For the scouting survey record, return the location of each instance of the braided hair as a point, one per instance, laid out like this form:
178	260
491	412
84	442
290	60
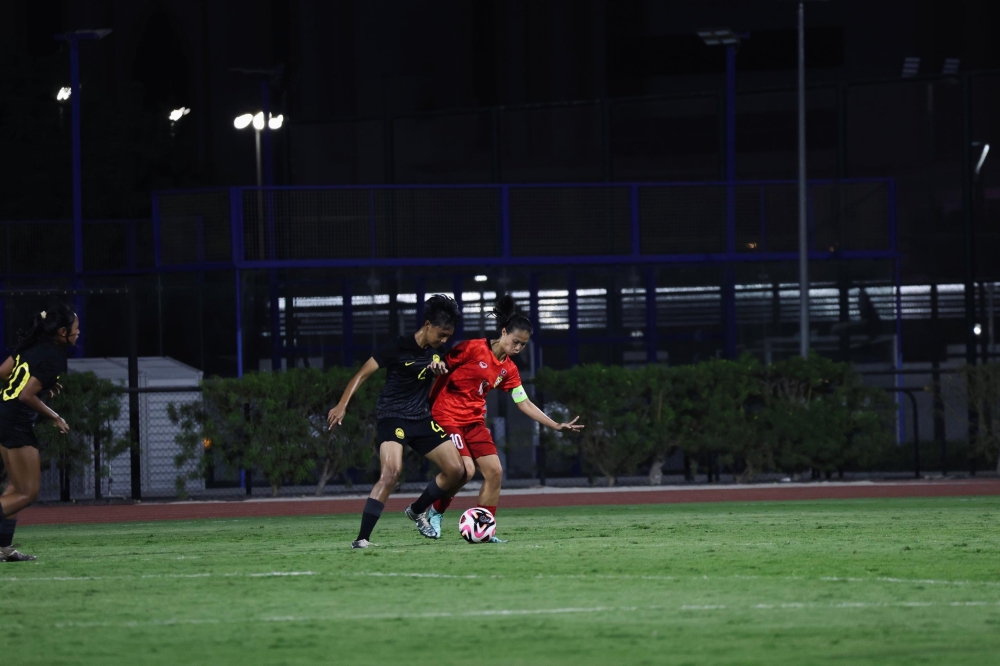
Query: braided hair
45	325
507	316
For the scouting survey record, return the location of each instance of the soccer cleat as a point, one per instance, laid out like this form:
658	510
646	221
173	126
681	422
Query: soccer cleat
362	543
434	518
420	519
8	554
494	539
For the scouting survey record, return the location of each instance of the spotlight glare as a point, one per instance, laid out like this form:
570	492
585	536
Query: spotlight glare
63	94
258	121
243	121
274	122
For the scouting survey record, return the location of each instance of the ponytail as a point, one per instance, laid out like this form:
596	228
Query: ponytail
45	325
507	316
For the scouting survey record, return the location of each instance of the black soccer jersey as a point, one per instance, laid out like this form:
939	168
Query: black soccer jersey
45	362
408	381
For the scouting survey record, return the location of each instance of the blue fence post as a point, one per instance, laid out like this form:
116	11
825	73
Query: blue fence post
574	323
536	319
348	313
505	221
457	288
371	222
633	213
421	289
238	257
652	343
897	278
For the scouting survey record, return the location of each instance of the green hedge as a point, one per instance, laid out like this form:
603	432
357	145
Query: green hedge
275	423
789	416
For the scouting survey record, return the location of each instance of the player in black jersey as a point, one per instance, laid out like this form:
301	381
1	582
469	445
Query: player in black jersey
31	372
404	415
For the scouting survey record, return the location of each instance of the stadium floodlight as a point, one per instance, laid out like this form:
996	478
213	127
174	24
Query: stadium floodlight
911	66
982	157
63	94
275	122
177	114
258	121
719	36
950	67
480	278
243	121
977	329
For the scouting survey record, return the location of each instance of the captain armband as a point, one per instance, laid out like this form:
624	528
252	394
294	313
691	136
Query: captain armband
519	394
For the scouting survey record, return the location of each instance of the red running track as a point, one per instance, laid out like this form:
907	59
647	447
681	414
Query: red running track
140	512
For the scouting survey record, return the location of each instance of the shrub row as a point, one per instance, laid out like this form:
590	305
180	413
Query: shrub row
789	416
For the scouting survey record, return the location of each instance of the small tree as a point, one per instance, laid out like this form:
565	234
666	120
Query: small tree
255	422
350	443
90	406
613	403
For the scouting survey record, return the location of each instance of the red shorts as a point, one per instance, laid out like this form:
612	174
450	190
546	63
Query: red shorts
472	441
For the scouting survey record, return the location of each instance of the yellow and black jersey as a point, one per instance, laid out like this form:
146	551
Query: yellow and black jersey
45	362
408	381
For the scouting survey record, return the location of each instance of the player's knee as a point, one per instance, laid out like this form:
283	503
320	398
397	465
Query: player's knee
454	470
494	473
390	474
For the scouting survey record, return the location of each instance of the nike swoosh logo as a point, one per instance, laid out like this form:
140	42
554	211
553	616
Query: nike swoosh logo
409	363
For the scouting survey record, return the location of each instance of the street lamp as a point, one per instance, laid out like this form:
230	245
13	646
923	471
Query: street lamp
175	117
273	123
257	120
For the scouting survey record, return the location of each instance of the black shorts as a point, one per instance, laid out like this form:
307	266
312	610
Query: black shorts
422	436
17	436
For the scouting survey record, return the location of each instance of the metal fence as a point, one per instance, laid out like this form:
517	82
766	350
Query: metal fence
933	443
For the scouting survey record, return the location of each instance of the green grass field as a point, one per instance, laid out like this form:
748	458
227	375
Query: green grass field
836	581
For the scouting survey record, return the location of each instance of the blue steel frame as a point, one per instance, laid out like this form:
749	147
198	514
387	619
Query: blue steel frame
238	262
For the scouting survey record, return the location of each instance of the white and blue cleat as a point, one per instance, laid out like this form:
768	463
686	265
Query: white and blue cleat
434	518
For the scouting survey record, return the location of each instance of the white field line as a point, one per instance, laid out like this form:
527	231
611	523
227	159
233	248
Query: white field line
431	575
522	612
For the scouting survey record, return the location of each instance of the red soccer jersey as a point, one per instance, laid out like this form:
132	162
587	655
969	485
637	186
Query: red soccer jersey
459	398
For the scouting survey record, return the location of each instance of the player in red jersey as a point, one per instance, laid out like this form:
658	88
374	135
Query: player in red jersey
475	367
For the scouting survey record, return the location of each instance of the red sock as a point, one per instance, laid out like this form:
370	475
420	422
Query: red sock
442	504
491	509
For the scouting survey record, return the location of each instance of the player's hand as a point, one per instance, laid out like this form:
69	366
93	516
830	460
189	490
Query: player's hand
571	425
55	390
336	416
438	368
62	425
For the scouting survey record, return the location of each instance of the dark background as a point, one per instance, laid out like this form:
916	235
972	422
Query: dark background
513	91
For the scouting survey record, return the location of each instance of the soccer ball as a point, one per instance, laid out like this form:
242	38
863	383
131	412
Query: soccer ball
477	525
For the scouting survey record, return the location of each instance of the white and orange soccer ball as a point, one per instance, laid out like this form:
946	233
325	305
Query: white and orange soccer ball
477	525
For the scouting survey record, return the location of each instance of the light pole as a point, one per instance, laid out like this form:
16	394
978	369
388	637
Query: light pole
257	121
803	226
73	39
726	37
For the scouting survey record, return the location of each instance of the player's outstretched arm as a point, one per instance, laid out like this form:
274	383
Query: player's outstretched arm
533	412
336	415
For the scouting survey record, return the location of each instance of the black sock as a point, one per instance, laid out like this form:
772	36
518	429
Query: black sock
431	494
7	526
373	509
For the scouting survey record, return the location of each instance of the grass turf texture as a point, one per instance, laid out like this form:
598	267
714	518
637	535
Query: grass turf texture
858	581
